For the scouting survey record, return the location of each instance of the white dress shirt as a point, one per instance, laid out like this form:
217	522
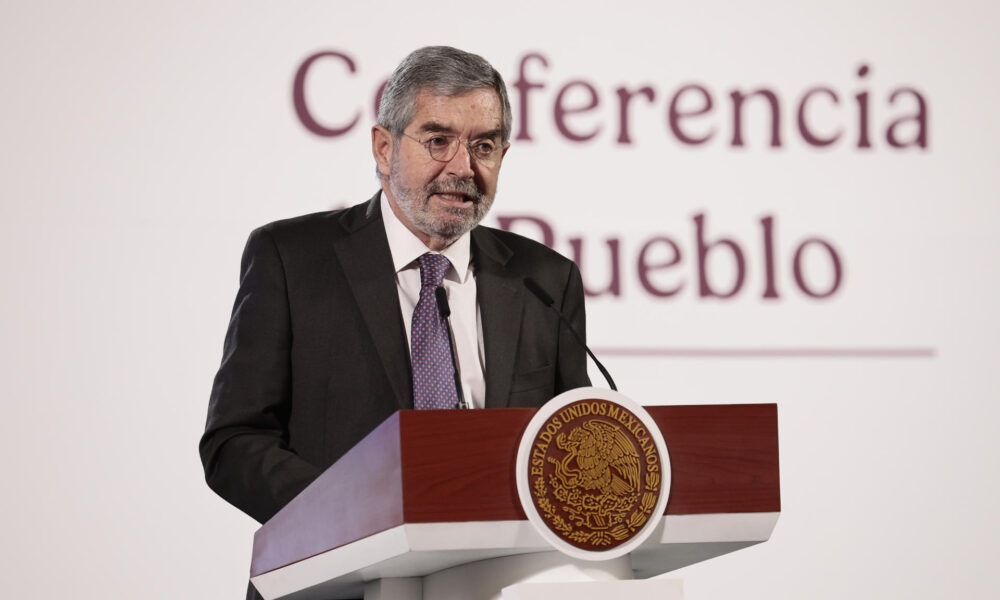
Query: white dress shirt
460	285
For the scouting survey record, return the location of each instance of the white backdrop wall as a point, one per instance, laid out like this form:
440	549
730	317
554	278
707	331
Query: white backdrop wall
141	142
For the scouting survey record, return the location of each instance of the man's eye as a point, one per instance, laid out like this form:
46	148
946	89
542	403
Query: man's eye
438	141
484	147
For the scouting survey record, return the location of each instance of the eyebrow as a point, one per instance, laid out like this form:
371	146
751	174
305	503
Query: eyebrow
435	127
493	133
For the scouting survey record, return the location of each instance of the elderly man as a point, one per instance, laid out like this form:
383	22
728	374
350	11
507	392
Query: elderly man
335	325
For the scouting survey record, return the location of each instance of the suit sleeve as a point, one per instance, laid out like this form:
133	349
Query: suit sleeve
245	449
572	371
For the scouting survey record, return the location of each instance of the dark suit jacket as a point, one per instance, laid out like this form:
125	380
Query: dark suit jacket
316	354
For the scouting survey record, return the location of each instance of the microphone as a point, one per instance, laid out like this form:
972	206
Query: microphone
445	310
547	300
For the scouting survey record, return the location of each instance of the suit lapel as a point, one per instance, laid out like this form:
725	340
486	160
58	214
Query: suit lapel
367	263
501	301
364	256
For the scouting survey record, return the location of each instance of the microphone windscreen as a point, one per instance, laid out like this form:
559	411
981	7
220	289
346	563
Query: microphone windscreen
442	300
537	290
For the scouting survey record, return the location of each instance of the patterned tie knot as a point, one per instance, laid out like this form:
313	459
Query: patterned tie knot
432	269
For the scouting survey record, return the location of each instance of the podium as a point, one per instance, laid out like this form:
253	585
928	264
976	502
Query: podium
427	503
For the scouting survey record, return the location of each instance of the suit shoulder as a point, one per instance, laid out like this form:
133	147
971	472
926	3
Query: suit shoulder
326	225
526	248
301	224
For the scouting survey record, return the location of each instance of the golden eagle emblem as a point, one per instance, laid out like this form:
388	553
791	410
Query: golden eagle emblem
595	474
599	456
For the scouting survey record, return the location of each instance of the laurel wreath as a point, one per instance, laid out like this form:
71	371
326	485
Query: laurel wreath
619	532
546	507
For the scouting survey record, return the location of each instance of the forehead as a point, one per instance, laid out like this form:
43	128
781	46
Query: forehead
470	113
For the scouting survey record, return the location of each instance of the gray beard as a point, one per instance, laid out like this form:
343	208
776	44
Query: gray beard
415	204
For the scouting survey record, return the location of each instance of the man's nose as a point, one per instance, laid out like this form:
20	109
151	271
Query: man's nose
460	165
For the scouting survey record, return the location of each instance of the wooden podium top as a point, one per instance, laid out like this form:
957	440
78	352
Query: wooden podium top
444	466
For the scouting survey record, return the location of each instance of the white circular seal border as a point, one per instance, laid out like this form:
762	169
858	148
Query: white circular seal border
524	457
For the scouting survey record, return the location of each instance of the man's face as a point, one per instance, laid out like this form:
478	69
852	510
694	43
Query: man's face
439	201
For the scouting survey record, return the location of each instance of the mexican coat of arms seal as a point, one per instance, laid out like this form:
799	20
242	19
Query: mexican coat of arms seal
593	473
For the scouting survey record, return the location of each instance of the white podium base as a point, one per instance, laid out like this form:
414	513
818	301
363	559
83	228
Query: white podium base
539	576
661	589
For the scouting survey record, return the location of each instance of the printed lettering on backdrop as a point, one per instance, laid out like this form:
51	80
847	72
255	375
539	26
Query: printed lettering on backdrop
694	115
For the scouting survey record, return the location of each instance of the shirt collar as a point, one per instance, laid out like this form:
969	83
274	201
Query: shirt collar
406	248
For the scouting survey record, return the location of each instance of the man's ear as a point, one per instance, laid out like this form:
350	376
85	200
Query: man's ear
382	148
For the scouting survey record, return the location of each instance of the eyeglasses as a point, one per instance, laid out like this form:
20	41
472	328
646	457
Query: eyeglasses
443	147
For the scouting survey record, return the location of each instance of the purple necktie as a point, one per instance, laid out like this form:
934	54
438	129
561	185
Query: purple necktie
433	373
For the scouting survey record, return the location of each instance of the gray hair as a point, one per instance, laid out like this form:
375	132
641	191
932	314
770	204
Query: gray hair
443	71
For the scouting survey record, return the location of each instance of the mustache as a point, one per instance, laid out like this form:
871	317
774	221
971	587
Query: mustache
457	185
